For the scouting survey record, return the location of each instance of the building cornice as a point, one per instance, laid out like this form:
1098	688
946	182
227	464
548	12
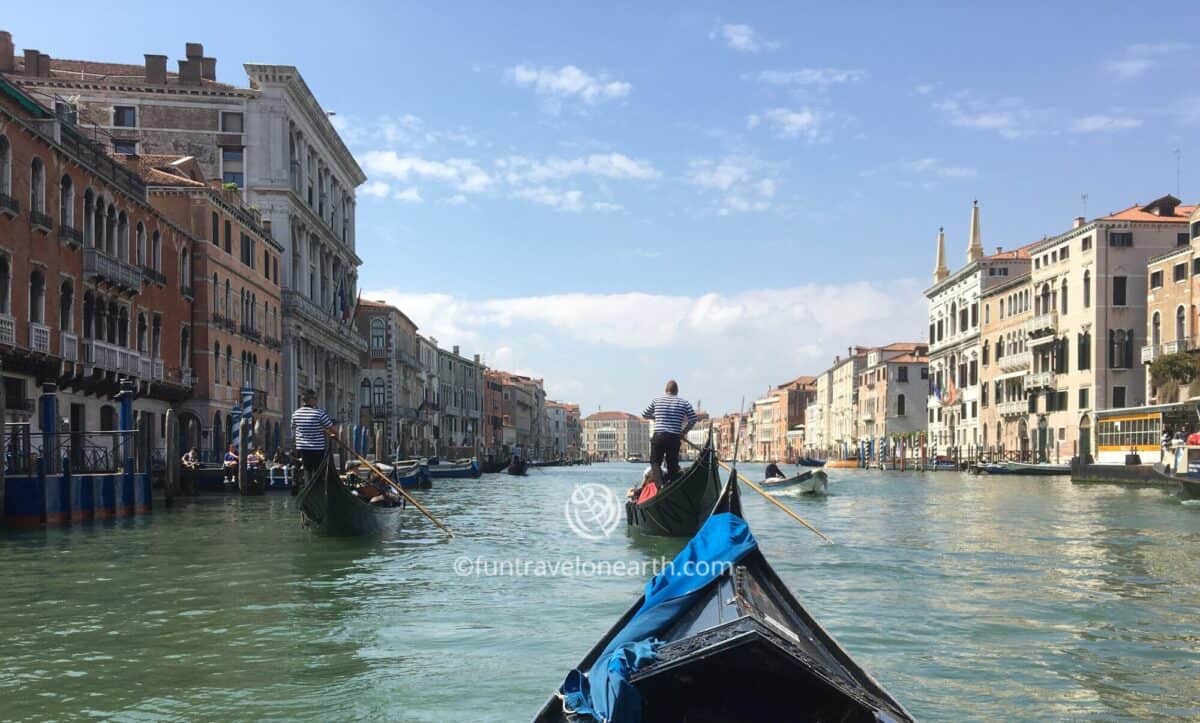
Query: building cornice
954	278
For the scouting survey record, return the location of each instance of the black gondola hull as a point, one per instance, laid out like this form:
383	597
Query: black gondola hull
329	508
518	468
682	506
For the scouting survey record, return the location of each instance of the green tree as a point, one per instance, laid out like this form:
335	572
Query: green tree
1170	372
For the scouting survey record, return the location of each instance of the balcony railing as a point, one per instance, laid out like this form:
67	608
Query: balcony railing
112	358
186	291
70	234
1150	352
272	343
297	304
8	330
9	205
1042	324
39	337
381	410
1039	380
1015	408
41	221
100	265
1016	362
152	275
1174	347
251	333
379	352
69	345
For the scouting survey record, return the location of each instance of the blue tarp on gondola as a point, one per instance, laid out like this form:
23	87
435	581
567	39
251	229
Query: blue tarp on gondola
605	692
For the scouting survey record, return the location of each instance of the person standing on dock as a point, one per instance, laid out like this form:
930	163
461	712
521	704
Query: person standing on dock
673	417
311	426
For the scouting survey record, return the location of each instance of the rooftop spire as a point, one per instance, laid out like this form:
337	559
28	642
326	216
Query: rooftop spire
939	266
975	242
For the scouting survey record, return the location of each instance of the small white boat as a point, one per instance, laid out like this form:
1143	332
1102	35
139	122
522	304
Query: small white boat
1043	468
811	482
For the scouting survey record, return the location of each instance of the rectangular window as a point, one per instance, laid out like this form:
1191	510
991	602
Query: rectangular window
1196	229
1196	267
1119	284
1180	272
216	229
983	396
1156	279
1182	239
1063	253
231	154
940	326
1120	238
924	372
129	148
1062	402
124	116
975	314
231	122
974	410
1083	399
1118	397
902	374
931	329
233	177
974	372
1086	243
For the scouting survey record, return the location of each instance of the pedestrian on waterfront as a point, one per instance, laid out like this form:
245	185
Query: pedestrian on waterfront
516	453
191	460
311	427
231	465
673	417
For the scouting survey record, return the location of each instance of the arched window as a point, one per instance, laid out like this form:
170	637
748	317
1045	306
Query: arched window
229	365
364	391
156	337
140	236
37	186
123	326
378	334
1156	329
66	202
379	396
142	332
216	295
5	283
66	306
110	231
123	237
228	300
900	405
1062	300
953	319
1087	289
37	296
89	218
5	166
1180	326
89	313
185	269
156	252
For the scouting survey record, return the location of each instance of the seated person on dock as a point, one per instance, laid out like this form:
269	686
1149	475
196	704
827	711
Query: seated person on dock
254	459
231	464
773	472
191	460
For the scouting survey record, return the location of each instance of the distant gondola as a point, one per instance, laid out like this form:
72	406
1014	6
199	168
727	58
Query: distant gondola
810	462
808	482
518	467
491	466
454	470
1043	468
330	508
681	506
728	645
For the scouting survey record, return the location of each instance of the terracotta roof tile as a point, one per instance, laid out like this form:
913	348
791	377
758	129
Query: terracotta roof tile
609	417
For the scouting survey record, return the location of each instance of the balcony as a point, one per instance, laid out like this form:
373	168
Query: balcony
39	337
250	333
112	358
1042	325
1015	408
9	206
296	304
1177	346
1039	380
381	411
70	235
41	221
103	267
186	291
1017	362
1150	352
8	330
69	345
379	352
272	343
153	276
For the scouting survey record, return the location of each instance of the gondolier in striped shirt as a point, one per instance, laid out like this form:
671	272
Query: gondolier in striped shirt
311	427
673	417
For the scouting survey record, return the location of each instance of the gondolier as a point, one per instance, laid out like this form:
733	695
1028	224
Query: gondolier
310	427
673	417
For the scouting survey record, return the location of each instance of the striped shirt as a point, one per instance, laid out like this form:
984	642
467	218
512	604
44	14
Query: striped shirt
308	427
669	414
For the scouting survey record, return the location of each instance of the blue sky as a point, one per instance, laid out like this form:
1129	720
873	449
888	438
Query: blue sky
730	194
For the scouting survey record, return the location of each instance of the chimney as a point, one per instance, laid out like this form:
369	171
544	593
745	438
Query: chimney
456	350
266	226
476	359
189	72
156	69
194	51
999	249
31	62
208	68
1079	221
7	59
43	65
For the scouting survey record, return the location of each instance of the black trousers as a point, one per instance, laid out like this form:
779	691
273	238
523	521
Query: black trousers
310	459
664	445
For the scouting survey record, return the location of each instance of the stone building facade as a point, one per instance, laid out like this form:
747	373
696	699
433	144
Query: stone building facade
615	436
892	392
1005	359
390	382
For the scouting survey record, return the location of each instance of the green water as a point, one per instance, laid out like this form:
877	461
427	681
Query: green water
966	597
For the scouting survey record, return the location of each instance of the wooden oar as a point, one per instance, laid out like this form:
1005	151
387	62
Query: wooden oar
770	498
394	486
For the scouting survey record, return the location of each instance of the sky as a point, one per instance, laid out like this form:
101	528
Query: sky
729	194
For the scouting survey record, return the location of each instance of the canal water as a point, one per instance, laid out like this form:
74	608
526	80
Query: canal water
969	598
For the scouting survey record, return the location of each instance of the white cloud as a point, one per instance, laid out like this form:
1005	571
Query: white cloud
936	167
462	174
1103	123
741	182
519	169
375	189
571	200
607	207
743	39
405	131
789	123
752	121
456	200
722	175
409	195
820	77
1011	117
569	81
1141	57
